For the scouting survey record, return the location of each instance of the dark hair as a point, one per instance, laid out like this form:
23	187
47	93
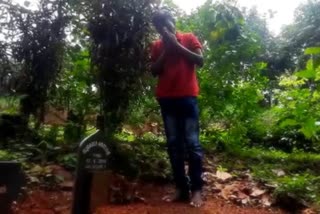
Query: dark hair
162	15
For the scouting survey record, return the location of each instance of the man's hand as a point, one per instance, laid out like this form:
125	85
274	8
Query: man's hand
157	67
172	45
169	39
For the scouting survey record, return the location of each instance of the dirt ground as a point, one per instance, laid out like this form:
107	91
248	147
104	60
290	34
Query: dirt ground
59	202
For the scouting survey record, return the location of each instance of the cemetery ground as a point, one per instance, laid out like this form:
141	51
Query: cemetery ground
225	192
54	202
237	180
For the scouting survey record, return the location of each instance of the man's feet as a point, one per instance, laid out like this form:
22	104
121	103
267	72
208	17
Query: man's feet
196	199
178	196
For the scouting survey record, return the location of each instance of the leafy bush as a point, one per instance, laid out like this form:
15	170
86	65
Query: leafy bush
6	156
144	158
69	161
9	104
303	187
293	123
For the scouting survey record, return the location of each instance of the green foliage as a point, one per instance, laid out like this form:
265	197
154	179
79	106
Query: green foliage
298	102
314	50
76	90
7	156
143	158
294	177
42	176
69	161
304	32
301	187
231	81
292	122
38	49
145	107
9	104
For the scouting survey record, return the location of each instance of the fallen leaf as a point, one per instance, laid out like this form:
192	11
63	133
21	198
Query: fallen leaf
308	211
271	186
242	196
223	176
257	192
60	173
249	176
246	188
245	201
266	201
233	197
209	162
228	190
34	179
217	188
36	169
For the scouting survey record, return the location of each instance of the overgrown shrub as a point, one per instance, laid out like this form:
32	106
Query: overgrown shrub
293	122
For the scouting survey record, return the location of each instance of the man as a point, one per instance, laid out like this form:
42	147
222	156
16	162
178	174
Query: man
174	58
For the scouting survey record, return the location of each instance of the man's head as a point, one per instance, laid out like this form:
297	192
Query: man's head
163	19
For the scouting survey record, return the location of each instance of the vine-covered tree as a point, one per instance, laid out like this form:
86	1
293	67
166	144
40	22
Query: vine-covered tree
120	33
37	40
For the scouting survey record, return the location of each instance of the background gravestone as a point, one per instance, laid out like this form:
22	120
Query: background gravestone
93	172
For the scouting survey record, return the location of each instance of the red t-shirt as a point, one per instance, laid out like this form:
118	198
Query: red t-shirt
178	78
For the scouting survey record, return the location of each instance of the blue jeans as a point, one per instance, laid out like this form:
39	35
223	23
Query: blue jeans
181	121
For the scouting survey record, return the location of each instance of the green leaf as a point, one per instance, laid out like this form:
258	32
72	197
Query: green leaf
317	74
309	128
130	138
309	74
288	122
313	50
310	65
262	65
